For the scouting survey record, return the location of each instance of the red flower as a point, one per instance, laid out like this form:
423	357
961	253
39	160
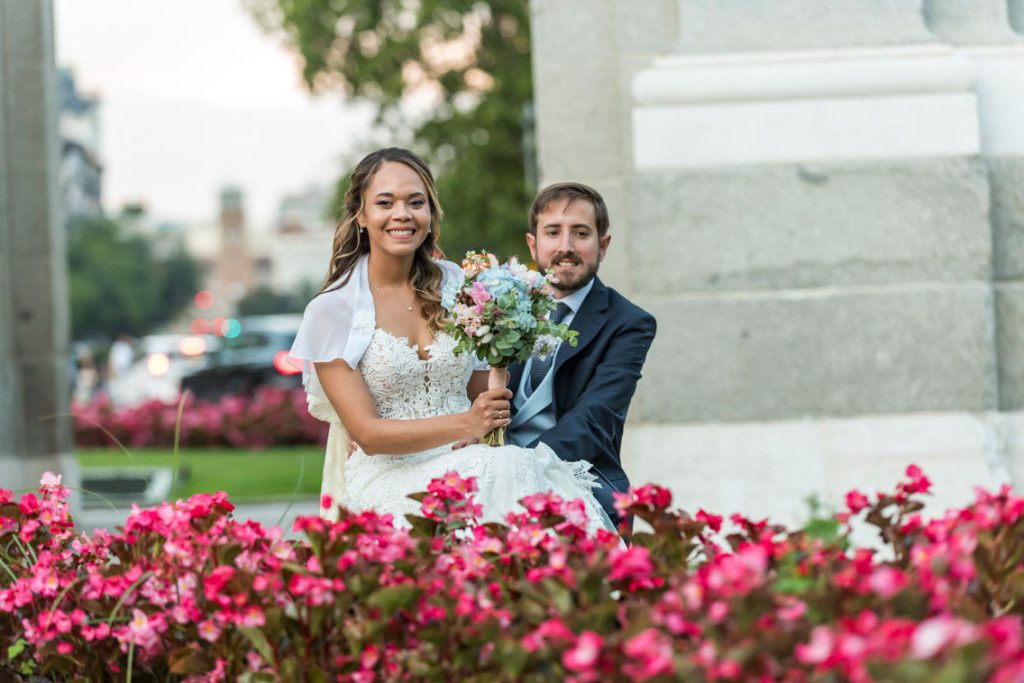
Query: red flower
856	501
584	655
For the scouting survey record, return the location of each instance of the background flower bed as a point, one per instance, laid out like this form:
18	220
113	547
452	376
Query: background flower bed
186	592
271	417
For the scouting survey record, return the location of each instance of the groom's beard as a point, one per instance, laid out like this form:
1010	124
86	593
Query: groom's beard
577	277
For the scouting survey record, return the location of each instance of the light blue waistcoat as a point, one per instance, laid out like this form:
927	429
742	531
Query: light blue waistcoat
535	414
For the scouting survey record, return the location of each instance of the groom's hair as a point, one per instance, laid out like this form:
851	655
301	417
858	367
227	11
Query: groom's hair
572	192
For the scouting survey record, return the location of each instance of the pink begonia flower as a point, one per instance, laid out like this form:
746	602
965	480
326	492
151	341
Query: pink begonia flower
820	648
49	479
919	483
633	562
29	504
714	522
326	501
856	501
209	630
583	656
933	635
252	617
887	581
652	652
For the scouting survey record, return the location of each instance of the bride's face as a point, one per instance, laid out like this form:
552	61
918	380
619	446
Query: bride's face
396	210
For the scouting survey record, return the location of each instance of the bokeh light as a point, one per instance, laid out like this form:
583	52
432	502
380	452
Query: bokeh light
203	299
192	346
200	326
231	328
158	364
216	327
282	365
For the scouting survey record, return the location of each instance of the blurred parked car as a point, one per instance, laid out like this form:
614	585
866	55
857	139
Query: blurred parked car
256	357
160	361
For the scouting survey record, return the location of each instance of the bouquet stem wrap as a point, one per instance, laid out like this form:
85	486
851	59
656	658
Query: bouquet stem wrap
497	379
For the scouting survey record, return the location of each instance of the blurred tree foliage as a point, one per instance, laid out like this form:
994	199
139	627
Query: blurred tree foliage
265	301
117	286
470	60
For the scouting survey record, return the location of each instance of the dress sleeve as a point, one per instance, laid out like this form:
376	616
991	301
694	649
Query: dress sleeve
334	327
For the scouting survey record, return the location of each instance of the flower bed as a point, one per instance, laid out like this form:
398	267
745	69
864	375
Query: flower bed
186	592
271	417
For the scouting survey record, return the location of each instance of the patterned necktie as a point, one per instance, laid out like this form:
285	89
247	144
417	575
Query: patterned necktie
540	367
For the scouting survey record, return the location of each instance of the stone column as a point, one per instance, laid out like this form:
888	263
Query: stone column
971	22
585	53
808	218
983	31
35	434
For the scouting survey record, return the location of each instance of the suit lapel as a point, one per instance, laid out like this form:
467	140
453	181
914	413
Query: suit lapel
588	322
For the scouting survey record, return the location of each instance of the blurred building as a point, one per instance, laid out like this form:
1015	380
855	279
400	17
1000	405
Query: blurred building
80	171
231	267
299	248
822	204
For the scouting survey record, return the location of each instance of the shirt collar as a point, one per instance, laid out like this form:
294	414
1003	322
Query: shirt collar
575	300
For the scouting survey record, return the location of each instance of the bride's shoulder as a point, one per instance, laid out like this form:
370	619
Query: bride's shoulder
334	299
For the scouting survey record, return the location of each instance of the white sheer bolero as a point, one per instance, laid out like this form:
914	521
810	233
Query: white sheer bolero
339	324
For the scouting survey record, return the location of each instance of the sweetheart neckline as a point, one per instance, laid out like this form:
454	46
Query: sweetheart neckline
414	348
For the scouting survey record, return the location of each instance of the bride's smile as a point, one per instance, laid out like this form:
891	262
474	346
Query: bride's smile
396	212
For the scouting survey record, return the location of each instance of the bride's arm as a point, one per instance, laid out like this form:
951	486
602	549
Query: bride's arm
351	399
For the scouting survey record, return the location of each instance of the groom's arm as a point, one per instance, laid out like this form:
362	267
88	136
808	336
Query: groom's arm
595	423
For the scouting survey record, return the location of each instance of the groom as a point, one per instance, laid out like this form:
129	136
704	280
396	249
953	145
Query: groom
576	402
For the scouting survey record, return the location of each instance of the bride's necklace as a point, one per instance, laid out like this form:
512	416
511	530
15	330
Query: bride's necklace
392	297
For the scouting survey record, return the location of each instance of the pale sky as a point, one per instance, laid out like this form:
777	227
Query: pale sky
195	95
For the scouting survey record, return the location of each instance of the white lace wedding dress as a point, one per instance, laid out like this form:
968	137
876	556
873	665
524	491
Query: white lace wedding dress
406	387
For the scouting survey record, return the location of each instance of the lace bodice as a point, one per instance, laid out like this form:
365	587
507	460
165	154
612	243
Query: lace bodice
406	387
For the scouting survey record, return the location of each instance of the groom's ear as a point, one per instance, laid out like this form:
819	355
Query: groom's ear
602	246
531	242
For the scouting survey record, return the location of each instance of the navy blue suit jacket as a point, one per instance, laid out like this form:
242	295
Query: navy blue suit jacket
594	382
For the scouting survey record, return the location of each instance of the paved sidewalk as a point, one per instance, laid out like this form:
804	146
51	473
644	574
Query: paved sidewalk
267	514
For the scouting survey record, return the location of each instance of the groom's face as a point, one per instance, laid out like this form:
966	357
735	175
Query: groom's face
567	243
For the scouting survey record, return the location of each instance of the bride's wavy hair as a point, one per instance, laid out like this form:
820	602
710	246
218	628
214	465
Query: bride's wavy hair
350	244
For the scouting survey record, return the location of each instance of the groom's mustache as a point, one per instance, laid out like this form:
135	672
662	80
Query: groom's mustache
567	256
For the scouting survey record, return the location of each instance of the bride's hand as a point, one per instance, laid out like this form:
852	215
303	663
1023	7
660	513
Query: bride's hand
489	411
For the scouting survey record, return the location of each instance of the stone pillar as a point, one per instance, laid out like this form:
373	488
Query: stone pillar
983	31
971	22
35	433
722	26
585	53
809	221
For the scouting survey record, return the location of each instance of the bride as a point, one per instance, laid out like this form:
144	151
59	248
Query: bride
378	365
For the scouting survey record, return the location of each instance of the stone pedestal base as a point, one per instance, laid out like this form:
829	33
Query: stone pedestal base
768	469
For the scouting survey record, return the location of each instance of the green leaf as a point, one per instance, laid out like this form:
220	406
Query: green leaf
16	649
259	641
185	661
390	598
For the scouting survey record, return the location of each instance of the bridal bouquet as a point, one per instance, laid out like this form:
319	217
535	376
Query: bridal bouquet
500	313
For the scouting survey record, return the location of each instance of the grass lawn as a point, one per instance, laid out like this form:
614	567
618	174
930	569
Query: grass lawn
244	474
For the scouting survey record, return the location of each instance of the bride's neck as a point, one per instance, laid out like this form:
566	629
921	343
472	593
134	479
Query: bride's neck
389	271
